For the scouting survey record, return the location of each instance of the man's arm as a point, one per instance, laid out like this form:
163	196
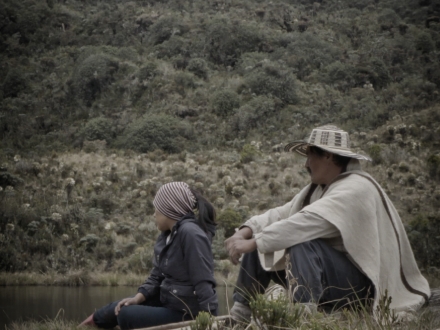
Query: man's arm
239	243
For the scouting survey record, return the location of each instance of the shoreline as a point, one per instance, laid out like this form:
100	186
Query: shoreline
87	278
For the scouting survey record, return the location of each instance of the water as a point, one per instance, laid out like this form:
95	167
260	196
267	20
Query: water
42	302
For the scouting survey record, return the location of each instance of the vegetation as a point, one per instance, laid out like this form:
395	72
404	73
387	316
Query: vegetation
101	102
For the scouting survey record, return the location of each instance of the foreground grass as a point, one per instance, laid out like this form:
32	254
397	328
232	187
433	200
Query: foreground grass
347	320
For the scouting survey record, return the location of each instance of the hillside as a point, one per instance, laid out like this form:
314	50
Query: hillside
101	102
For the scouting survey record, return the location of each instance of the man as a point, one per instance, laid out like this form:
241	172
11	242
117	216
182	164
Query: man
339	242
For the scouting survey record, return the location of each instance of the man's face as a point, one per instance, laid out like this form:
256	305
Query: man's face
318	167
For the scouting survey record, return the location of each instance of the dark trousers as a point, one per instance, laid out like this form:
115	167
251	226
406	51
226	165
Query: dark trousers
150	313
318	273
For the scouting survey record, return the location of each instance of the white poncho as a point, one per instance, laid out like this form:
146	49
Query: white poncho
371	230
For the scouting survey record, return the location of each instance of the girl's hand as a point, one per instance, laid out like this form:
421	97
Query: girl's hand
136	300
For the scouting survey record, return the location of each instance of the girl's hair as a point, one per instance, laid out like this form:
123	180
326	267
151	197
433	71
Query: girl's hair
206	212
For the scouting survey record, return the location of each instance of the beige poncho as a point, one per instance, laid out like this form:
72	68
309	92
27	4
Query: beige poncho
371	230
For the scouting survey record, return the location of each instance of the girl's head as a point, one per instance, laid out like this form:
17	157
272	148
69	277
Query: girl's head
176	199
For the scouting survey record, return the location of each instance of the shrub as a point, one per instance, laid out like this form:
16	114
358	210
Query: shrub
224	102
14	83
375	152
165	27
229	39
98	129
155	132
340	74
424	43
89	241
308	52
375	71
271	80
423	232
254	114
92	76
249	153
276	313
199	67
388	16
229	220
433	164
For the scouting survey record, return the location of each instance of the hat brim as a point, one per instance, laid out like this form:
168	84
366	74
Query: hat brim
300	147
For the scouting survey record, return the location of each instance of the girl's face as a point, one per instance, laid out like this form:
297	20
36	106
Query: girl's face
163	223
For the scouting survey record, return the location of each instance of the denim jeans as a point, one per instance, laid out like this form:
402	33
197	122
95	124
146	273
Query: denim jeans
149	314
321	274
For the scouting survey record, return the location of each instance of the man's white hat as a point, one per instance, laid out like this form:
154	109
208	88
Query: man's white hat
329	138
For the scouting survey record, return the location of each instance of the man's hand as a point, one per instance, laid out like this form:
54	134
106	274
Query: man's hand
136	300
239	243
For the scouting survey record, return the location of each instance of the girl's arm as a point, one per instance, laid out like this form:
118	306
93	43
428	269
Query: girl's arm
199	261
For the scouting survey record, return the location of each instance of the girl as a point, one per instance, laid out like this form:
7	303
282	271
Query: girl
181	283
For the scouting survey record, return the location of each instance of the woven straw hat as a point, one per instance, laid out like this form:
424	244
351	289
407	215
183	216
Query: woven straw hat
329	138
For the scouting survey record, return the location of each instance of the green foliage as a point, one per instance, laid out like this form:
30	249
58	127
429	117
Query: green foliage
375	72
229	220
204	321
433	164
340	74
389	17
375	152
14	83
218	244
272	80
165	27
199	67
89	241
249	153
276	313
98	129
308	52
153	132
424	43
228	40
224	101
92	77
424	233
254	114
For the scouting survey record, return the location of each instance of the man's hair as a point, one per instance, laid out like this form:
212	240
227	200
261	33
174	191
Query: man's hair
338	160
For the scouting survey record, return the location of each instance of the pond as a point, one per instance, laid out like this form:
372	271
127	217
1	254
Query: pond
42	302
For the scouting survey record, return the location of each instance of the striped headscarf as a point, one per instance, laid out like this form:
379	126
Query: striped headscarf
174	200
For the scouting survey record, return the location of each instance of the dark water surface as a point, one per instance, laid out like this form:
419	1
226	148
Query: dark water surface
42	302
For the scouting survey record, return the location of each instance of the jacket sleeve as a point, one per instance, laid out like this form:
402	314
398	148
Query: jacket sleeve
151	287
199	261
259	222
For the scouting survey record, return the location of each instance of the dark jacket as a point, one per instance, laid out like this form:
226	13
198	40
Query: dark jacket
183	272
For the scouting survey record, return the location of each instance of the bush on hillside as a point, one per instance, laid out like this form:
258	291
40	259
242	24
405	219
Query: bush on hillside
253	114
228	40
229	220
423	232
98	129
165	27
153	132
92	77
433	163
14	83
273	81
199	67
249	153
224	102
307	52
